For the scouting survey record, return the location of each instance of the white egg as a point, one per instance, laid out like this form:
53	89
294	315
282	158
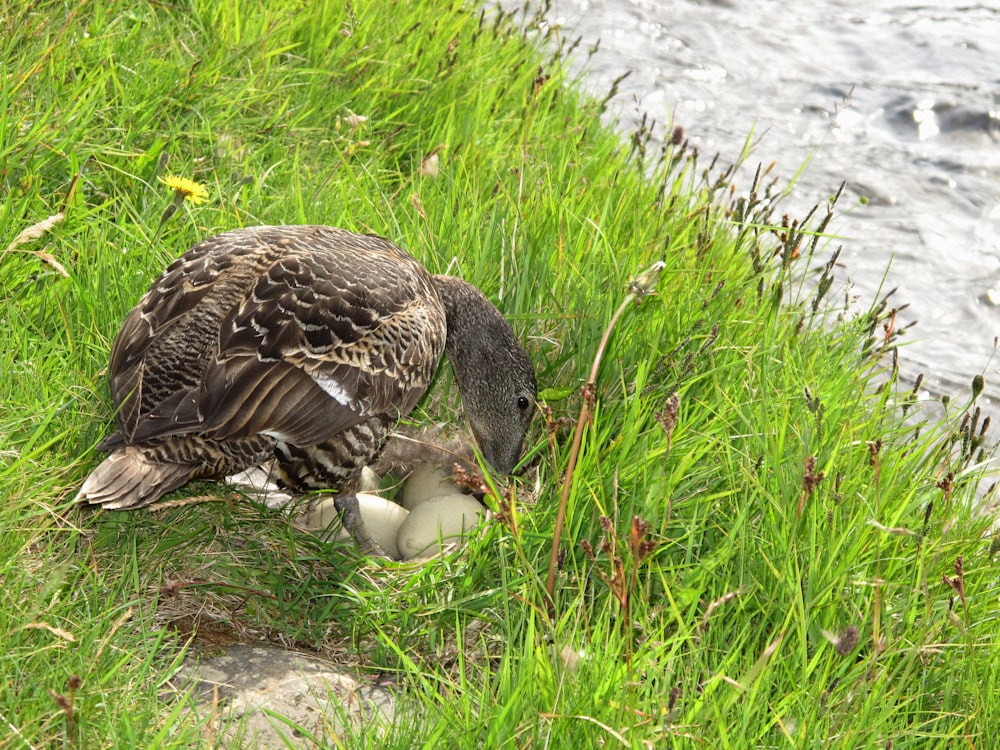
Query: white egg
382	518
425	482
319	516
438	521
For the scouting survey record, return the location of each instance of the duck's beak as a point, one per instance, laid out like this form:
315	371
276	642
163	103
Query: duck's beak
501	458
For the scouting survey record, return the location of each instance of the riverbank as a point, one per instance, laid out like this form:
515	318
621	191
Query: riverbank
895	100
806	567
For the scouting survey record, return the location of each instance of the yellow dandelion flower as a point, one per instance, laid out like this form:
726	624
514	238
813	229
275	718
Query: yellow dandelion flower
185	189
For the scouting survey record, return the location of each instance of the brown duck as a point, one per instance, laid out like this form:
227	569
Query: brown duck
305	344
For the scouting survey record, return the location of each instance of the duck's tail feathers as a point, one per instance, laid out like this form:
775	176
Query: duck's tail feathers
131	478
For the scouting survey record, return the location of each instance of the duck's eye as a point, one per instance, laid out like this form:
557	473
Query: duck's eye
523	402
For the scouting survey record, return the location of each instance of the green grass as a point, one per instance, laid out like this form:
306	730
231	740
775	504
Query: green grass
793	502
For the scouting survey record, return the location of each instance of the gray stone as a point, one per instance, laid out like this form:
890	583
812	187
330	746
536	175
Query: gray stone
266	697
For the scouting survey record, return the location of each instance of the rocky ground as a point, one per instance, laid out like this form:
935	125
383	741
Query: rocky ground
263	696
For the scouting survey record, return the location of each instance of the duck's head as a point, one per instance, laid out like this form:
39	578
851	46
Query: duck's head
494	373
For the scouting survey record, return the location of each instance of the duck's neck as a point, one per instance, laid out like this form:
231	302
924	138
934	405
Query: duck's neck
477	332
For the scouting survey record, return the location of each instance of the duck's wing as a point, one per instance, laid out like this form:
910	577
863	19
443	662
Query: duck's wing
337	329
165	340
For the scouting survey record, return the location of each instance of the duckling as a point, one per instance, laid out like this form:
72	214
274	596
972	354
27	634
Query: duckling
302	344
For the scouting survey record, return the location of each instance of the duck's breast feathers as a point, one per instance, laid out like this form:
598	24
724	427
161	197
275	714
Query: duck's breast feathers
313	330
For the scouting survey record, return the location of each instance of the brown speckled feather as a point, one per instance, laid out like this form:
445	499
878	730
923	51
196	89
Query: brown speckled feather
269	337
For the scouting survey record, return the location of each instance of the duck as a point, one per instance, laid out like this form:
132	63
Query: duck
302	346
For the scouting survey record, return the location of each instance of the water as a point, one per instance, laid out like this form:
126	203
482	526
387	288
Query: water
901	100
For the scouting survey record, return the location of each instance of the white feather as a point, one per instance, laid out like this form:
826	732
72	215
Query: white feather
337	392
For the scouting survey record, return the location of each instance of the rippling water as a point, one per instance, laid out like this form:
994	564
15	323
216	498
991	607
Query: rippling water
901	100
